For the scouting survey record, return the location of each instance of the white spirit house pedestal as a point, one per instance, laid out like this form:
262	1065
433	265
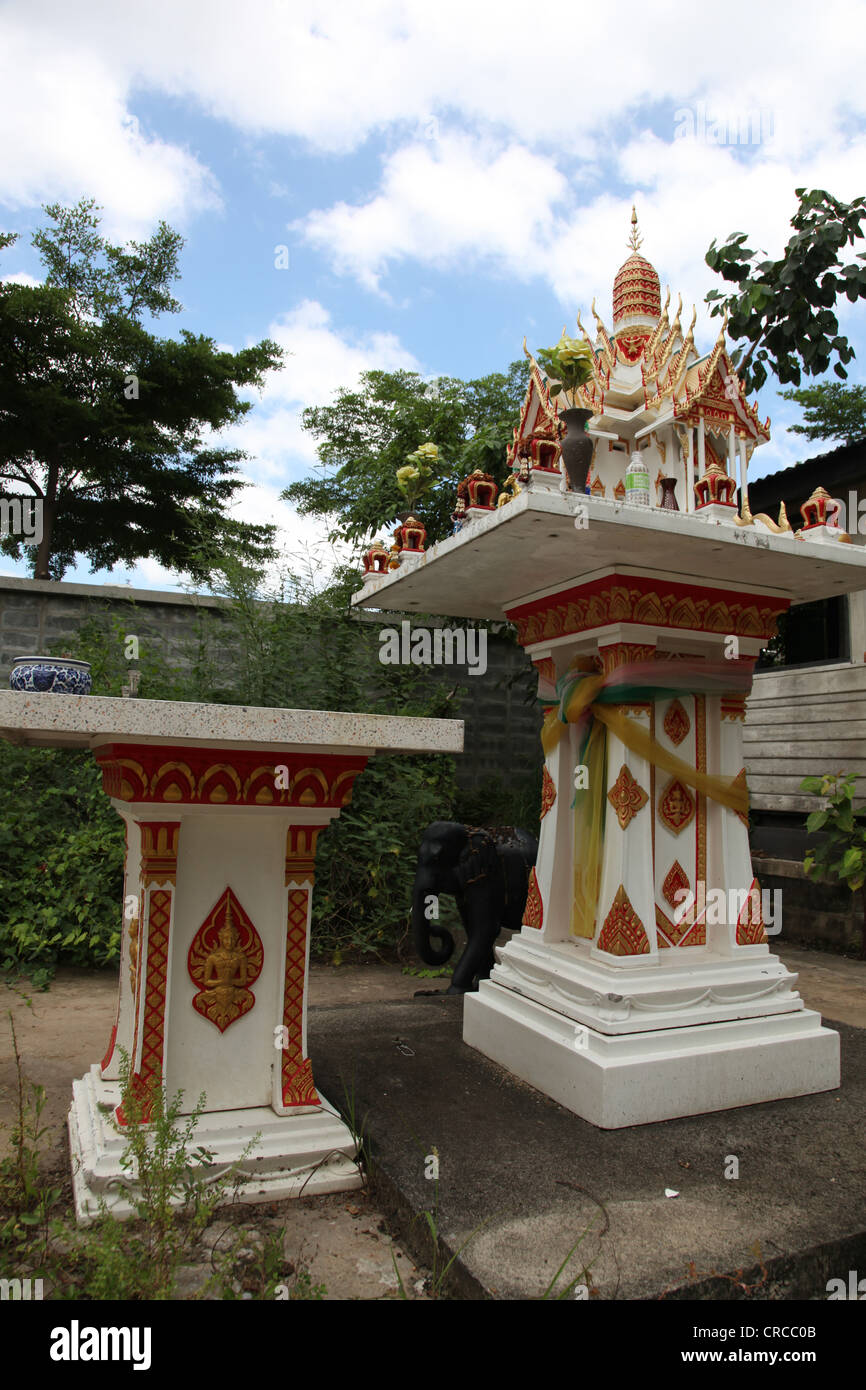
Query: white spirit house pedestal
223	807
643	1016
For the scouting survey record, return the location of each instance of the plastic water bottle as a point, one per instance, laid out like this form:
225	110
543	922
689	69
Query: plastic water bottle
637	483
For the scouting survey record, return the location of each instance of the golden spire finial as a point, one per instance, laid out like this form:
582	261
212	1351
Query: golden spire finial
228	923
635	241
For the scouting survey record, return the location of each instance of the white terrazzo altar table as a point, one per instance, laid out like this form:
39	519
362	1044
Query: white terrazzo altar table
222	806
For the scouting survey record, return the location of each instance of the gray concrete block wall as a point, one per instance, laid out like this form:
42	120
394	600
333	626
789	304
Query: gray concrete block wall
503	719
37	616
815	913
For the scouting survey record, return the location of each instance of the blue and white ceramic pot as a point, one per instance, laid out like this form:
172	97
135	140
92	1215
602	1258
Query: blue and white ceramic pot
60	674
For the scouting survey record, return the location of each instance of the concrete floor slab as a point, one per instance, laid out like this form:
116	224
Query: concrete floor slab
522	1181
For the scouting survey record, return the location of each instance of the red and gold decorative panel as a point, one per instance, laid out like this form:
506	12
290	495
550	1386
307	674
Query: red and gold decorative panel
618	654
153	1021
676	806
548	792
685	932
630	347
159	840
622	933
733	707
701	827
296	1075
627	797
640	599
227	777
301	852
110	1049
546	668
676	881
636	289
225	959
676	723
750	923
533	913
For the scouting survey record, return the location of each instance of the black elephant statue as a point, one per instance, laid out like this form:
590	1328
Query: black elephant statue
487	872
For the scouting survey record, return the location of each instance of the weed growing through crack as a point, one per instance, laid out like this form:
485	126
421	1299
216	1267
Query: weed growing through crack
257	1268
25	1201
171	1192
584	1278
357	1127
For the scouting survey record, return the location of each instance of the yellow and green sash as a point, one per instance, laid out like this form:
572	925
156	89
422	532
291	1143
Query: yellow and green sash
590	703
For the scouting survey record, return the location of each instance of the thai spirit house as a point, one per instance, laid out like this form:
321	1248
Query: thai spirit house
642	984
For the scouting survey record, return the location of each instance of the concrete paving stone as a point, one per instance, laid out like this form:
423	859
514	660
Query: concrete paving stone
523	1181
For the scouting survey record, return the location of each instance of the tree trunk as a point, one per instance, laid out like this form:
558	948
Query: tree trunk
863	926
43	554
49	512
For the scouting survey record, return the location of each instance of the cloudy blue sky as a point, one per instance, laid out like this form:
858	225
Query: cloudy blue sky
445	177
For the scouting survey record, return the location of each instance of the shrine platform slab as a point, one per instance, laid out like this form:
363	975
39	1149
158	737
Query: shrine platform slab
85	721
531	547
521	1179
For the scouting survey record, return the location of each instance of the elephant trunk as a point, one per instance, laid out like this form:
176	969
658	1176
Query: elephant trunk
425	923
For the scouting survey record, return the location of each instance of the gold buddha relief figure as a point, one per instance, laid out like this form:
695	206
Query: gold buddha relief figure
225	958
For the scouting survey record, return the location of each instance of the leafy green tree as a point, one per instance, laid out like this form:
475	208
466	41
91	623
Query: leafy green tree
831	411
110	427
782	310
841	854
365	435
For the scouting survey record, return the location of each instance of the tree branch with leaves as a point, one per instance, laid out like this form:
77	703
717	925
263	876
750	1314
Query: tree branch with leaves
109	426
782	311
841	852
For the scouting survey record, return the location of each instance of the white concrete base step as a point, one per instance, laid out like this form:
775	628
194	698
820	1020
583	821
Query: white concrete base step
311	1150
641	1077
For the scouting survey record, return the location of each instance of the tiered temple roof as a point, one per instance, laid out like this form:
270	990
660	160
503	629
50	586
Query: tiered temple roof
647	370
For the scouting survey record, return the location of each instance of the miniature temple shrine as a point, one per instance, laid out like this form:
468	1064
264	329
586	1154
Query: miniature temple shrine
223	808
642	984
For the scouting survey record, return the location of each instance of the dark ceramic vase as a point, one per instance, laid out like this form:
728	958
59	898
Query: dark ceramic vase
669	496
576	447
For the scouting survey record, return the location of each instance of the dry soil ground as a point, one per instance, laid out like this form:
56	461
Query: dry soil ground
341	1240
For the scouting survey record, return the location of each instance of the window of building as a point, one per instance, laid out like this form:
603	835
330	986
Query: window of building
809	634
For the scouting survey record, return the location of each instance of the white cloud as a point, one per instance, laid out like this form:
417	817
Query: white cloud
544	98
20	277
320	359
333	74
465	202
515	141
452	200
66	131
